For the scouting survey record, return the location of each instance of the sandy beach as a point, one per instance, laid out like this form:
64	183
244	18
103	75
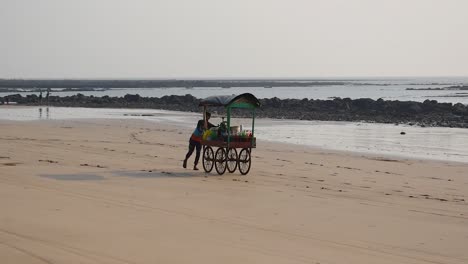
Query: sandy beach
114	191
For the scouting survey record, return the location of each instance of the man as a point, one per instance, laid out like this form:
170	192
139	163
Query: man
195	140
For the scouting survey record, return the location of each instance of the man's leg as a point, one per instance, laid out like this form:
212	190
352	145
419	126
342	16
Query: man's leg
189	153
197	157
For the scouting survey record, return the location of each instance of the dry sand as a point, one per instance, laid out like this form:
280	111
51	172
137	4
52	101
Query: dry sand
94	191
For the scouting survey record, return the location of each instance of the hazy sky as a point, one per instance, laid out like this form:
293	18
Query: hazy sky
235	38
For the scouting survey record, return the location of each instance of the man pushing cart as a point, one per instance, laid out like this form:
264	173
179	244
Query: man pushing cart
226	138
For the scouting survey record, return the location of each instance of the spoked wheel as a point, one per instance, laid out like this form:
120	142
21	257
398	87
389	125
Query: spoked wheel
244	161
220	161
232	160
208	159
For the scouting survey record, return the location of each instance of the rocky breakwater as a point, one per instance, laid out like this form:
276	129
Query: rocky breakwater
427	113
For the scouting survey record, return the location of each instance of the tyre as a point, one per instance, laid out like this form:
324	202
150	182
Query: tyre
220	161
232	160
244	161
208	159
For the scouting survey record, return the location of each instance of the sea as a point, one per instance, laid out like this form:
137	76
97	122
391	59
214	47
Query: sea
386	140
403	89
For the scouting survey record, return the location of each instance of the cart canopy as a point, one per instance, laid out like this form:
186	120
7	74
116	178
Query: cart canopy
245	100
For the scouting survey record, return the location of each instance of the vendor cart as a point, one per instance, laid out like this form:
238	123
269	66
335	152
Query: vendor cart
220	146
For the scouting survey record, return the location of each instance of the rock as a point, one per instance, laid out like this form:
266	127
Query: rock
460	109
363	103
413	107
132	97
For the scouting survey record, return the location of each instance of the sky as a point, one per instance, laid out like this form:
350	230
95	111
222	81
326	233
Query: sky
232	38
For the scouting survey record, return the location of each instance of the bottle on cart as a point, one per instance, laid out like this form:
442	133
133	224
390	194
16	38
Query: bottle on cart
222	128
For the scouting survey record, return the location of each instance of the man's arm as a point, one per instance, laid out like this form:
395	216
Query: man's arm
210	125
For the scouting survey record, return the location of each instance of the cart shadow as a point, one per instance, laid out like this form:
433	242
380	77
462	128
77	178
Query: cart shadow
154	174
73	177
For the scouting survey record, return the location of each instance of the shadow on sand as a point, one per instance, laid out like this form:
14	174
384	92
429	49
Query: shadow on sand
73	177
154	174
130	173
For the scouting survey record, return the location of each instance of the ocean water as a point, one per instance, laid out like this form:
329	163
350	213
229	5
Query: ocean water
447	144
387	89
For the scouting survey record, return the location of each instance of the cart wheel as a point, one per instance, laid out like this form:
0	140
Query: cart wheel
232	160
220	161
244	161
208	159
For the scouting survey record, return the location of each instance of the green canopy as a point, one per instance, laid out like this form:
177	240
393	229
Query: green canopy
245	100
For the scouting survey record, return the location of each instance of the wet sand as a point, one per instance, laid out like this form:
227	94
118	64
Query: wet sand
114	191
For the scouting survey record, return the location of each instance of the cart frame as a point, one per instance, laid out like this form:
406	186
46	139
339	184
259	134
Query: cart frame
226	154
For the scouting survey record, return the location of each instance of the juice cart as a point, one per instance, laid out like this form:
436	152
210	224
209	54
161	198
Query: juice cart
221	144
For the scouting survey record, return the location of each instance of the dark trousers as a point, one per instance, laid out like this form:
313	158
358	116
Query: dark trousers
192	145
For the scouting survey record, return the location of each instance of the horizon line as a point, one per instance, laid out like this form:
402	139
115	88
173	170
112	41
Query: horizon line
235	78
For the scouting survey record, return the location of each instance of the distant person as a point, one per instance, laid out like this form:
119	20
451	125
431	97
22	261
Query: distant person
40	97
195	140
47	95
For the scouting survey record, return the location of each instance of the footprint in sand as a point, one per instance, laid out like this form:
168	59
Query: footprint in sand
385	159
109	149
95	166
315	164
10	164
325	188
48	161
348	168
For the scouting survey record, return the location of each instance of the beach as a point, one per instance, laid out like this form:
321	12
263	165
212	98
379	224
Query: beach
114	191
